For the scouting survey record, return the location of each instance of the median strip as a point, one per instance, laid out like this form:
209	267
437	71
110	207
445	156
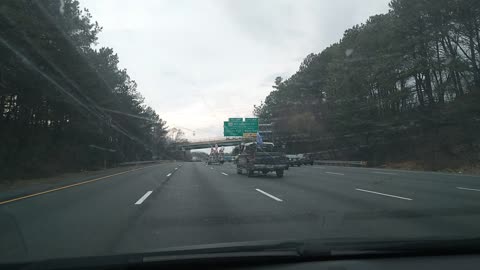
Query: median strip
70	186
384	194
269	195
470	189
144	197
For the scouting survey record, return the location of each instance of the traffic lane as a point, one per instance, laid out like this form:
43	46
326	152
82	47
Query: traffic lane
438	196
442	210
218	226
352	209
330	210
348	210
296	174
200	205
336	181
443	194
301	198
82	220
436	177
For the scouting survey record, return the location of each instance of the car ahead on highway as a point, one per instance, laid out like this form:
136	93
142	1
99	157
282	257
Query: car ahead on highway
307	159
262	158
294	160
196	159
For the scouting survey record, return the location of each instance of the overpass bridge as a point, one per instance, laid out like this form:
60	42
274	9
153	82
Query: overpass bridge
210	142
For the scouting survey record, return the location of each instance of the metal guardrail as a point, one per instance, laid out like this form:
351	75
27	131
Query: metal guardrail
140	162
341	163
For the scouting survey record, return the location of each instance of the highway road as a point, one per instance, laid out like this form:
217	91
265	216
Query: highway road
182	204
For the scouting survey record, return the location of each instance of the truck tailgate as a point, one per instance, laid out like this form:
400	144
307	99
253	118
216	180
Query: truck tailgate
269	158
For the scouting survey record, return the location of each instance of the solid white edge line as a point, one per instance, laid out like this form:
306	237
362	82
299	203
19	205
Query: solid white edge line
269	195
384	194
144	197
471	189
224	174
377	172
335	173
170	174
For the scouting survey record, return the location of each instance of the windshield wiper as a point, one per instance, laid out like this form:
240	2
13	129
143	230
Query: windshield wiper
241	252
267	252
351	248
229	251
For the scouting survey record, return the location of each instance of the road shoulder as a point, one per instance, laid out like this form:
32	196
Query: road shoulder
19	188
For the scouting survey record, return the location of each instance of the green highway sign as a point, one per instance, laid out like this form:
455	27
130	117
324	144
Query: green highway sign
235	119
237	127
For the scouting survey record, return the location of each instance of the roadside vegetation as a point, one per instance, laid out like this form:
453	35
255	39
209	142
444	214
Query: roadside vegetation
401	87
65	105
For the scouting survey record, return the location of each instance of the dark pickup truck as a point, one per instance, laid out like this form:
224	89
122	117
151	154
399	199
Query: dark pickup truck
261	158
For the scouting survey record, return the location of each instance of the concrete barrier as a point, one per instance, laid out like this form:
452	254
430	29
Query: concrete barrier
341	163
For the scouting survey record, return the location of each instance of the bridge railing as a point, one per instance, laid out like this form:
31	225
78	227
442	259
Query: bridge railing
211	140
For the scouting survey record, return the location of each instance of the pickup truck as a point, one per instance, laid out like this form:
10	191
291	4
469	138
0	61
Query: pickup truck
261	158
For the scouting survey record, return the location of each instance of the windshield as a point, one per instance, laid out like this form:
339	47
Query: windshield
132	126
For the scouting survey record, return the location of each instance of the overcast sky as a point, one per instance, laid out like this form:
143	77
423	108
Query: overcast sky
199	62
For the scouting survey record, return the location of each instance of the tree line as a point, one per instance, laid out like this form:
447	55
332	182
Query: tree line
402	86
64	103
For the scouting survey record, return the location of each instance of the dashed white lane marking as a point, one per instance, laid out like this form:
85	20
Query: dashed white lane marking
211	168
224	174
144	197
168	175
471	189
384	194
269	195
387	173
176	169
335	173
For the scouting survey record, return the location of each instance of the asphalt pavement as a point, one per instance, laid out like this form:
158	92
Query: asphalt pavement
183	204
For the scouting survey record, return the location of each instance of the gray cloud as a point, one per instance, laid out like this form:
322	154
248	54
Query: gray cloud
199	62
